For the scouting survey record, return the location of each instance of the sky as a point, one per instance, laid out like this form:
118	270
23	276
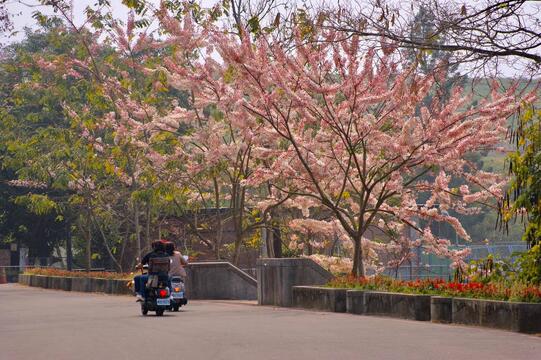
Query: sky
22	10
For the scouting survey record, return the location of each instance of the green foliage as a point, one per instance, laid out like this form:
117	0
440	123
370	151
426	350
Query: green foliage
304	23
38	204
524	268
523	198
137	5
253	25
530	265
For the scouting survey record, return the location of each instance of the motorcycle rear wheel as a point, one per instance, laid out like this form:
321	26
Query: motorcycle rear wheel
144	310
159	312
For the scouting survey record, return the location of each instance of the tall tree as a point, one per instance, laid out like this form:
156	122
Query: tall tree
329	113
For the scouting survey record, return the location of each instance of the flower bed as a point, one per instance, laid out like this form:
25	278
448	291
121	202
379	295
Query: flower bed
517	292
501	305
79	274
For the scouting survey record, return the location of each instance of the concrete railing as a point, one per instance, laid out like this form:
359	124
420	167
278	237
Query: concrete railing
219	281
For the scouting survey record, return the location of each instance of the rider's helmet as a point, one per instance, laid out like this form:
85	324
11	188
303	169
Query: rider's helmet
158	246
170	248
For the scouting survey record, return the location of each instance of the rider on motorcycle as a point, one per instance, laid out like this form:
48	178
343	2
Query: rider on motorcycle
177	261
158	250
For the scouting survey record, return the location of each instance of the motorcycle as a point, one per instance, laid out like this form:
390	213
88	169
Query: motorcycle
157	295
178	297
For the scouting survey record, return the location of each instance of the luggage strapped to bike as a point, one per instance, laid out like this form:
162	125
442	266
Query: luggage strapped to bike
157	266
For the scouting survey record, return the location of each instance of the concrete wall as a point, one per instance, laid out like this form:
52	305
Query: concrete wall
441	309
206	280
276	277
118	287
404	306
355	302
319	298
219	281
514	316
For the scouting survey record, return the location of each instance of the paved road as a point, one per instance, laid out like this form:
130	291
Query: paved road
56	325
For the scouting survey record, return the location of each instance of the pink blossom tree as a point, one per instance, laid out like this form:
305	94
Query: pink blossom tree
217	143
345	129
326	126
123	126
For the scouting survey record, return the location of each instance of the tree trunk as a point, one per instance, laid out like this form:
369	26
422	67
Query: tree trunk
269	238
333	245
358	265
264	247
239	209
219	230
137	229
277	242
69	248
106	245
88	244
147	232
125	242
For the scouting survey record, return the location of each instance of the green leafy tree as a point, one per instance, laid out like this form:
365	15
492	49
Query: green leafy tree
523	199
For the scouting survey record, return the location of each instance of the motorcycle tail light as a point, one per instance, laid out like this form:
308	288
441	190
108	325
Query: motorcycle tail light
177	289
163	293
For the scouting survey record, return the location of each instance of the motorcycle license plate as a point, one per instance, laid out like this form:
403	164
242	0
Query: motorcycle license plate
162	302
178	295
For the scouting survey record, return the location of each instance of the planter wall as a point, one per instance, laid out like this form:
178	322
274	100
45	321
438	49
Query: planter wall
119	287
59	283
40	281
76	284
98	285
514	316
528	318
319	298
404	306
441	309
355	302
24	279
206	280
466	311
80	284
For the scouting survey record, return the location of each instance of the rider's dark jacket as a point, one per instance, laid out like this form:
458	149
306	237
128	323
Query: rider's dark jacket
153	254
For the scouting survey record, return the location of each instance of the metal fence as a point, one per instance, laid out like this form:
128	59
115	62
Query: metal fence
428	266
412	272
